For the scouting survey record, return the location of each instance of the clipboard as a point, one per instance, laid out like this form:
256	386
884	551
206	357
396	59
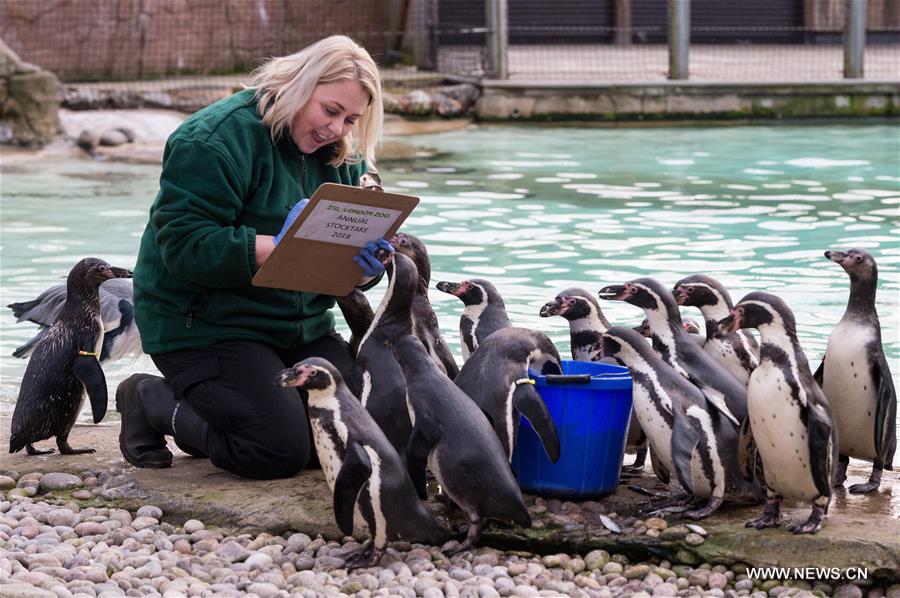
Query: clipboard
316	254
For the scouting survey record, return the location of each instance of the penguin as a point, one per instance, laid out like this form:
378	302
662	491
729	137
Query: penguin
789	424
64	365
496	378
857	380
692	439
680	349
361	467
456	440
425	321
587	323
483	315
358	315
377	373
690	326
116	308
739	353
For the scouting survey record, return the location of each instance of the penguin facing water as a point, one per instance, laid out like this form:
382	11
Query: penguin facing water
738	352
855	377
361	467
484	314
680	349
456	440
424	320
789	423
496	378
691	439
64	366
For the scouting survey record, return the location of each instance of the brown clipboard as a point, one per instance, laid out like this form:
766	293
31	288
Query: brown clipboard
314	265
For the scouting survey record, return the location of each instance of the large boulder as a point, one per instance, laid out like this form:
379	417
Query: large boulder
29	101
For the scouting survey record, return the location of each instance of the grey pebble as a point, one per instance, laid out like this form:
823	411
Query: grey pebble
847	591
59	481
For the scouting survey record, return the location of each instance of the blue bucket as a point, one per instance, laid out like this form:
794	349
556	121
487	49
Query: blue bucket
590	403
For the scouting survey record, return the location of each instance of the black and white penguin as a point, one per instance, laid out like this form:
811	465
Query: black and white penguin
738	352
64	365
496	378
362	468
425	321
456	440
690	325
121	336
358	315
855	377
484	314
378	375
789	423
680	349
587	323
694	441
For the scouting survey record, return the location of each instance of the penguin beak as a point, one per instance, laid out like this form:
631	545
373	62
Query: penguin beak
836	256
613	292
295	376
552	308
728	325
448	287
119	273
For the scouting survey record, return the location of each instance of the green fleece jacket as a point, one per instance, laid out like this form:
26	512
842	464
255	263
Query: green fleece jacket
222	182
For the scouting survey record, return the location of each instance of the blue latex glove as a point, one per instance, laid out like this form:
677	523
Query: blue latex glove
292	215
370	264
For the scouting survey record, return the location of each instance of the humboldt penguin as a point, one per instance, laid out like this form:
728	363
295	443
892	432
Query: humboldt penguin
855	377
358	315
690	325
496	378
739	352
121	336
456	440
587	323
64	366
693	440
362	468
378	375
425	321
789	424
680	349
483	315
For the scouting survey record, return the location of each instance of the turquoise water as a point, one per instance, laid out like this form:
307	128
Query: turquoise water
536	210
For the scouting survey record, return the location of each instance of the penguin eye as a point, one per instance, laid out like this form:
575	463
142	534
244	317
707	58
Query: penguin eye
858	258
101	269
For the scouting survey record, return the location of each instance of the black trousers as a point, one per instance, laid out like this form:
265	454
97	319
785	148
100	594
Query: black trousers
256	429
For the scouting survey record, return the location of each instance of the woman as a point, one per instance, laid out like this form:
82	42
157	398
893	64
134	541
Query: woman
231	179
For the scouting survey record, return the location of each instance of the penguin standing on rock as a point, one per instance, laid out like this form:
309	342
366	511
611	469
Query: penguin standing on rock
64	365
691	439
121	336
496	378
362	469
679	348
855	377
453	436
484	314
378	375
738	352
425	321
587	324
789	423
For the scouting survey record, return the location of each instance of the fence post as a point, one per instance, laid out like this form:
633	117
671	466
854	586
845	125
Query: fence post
497	38
854	38
679	38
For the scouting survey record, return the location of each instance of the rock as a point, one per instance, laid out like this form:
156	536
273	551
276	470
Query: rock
149	511
258	560
143	522
29	98
117	136
82	494
675	532
232	552
596	559
64	517
613	567
193	525
847	591
416	103
693	539
7	482
717	581
665	589
263	590
636	571
21	590
656	523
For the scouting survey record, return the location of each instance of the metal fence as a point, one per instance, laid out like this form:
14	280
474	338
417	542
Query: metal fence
419	42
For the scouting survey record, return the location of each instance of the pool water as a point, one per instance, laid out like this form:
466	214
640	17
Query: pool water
536	210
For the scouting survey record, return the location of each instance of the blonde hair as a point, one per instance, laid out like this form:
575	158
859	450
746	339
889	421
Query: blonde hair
285	84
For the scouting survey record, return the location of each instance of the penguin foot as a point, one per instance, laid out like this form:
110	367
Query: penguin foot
812	525
68	450
708	509
29	448
771	516
631	470
664	506
840	471
865	488
363	558
472	536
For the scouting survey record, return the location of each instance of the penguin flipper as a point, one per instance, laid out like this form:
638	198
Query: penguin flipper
530	404
747	451
421	441
88	370
820	434
684	440
885	413
26	349
717	400
355	471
